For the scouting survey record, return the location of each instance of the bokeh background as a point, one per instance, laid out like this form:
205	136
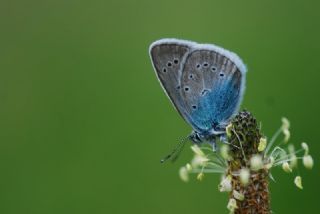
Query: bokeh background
84	121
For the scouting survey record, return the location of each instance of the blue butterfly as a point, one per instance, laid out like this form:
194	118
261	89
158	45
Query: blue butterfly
204	82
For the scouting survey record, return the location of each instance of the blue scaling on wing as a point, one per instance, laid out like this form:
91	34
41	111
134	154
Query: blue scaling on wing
204	82
217	106
212	88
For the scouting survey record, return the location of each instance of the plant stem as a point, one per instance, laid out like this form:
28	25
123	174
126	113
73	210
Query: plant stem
246	135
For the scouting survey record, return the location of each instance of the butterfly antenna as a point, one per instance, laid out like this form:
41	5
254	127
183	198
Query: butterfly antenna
176	151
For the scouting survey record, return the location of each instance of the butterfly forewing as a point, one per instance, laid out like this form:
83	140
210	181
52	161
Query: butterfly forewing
167	58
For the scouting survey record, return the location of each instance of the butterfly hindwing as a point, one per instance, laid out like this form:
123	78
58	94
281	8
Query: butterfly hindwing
212	86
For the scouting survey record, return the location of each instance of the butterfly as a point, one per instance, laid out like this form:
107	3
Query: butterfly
204	82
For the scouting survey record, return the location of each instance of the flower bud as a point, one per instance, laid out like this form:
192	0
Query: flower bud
256	162
244	176
225	184
200	176
262	144
307	161
298	182
285	123
232	204
237	195
286	167
305	147
183	173
189	167
286	133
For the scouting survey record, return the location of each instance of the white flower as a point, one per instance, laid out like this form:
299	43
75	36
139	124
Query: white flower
232	204
262	144
237	195
256	162
286	167
307	161
298	182
225	184
244	176
183	173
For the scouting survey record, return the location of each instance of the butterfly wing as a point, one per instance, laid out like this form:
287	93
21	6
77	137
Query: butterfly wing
190	74
168	56
212	84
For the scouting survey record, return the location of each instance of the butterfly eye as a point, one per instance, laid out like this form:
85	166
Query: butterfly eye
169	64
175	61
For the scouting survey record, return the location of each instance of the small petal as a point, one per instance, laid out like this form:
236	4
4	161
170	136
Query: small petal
196	149
286	167
262	144
298	182
183	173
225	184
305	148
200	176
232	204
228	130
237	195
256	162
307	161
285	123
244	176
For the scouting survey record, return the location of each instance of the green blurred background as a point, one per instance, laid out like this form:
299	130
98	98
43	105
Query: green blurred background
84	121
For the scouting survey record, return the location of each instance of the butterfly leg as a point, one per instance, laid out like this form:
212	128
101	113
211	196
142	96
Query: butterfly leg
195	137
223	138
